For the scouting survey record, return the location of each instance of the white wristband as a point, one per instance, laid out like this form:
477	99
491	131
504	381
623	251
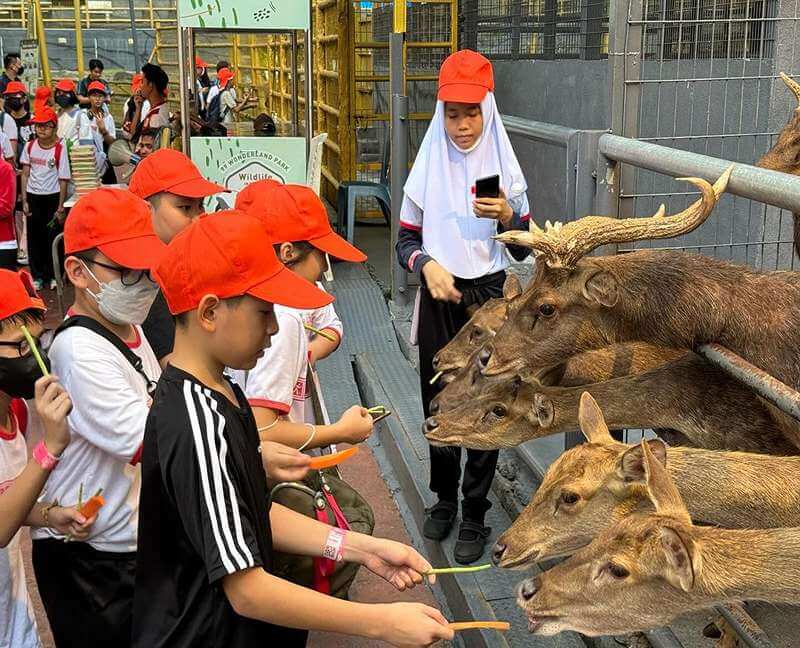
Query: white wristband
334	545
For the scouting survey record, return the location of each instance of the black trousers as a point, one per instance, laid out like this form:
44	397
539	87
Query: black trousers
8	259
438	323
42	231
87	594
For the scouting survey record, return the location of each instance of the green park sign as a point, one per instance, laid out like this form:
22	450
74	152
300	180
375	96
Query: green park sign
281	15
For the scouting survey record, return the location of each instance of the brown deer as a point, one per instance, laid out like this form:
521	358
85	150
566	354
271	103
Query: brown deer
483	324
686	394
785	154
648	569
595	485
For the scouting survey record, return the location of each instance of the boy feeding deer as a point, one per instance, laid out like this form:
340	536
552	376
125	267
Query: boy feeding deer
465	186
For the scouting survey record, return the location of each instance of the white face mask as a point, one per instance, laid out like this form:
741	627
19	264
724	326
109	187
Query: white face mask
122	304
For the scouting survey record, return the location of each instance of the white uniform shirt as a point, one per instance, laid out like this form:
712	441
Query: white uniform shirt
44	176
10	127
278	381
110	405
322	319
87	123
67	128
17	622
5	146
227	102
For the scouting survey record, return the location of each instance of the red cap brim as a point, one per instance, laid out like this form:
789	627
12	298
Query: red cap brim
195	188
338	248
462	92
288	289
138	253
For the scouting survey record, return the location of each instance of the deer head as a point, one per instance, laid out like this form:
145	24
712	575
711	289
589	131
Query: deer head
586	490
785	154
633	576
571	300
481	327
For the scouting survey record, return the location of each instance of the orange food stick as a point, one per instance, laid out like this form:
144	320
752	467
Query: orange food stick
92	506
327	461
502	626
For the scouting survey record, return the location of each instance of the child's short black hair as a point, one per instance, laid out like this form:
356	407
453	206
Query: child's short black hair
26	317
9	58
155	75
304	248
222	64
96	64
182	319
146	132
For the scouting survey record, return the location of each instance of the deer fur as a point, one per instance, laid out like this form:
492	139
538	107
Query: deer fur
686	394
648	569
592	486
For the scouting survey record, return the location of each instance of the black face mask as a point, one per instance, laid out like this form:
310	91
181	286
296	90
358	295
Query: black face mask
65	100
18	375
15	103
21	70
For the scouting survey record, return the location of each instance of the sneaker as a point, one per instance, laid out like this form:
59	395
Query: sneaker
471	541
37	284
53	284
439	520
22	259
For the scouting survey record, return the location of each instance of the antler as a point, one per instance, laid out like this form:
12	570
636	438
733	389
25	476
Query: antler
793	85
562	246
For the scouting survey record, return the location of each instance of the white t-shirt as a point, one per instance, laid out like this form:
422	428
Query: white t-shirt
227	102
10	127
5	146
44	176
278	381
110	404
322	319
17	622
67	128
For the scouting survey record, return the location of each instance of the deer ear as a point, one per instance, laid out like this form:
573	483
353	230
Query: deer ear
543	410
512	288
593	424
601	287
631	463
678	550
662	490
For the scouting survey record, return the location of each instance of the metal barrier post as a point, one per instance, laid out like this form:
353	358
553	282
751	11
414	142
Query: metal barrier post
132	15
399	127
45	61
78	38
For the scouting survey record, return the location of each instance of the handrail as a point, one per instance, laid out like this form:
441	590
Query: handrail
539	131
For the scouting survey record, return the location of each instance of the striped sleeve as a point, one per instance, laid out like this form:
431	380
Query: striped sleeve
205	491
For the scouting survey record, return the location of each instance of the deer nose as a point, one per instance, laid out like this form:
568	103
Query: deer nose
431	424
434	407
528	588
435	363
497	553
484	356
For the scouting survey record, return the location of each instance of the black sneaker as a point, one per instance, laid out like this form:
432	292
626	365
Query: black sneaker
471	541
439	520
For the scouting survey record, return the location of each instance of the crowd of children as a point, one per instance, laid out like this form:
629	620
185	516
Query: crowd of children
176	386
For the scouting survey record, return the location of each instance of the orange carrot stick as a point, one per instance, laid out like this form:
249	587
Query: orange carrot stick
92	506
327	461
502	626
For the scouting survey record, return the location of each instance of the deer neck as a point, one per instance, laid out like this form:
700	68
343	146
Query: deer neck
747	564
737	490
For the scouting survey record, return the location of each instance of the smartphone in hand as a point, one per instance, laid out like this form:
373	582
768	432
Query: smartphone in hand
488	187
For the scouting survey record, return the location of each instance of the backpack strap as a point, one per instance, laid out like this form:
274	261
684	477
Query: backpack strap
57	153
97	328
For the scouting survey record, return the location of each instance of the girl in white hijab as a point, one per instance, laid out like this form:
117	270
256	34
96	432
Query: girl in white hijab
446	236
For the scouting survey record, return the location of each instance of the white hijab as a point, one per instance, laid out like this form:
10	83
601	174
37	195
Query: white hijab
441	184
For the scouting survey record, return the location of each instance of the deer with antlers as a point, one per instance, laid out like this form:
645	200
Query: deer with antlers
648	569
595	485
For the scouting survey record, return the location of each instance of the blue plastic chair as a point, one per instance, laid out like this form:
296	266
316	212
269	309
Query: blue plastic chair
349	192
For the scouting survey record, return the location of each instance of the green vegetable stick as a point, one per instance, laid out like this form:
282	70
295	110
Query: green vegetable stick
327	336
35	350
458	570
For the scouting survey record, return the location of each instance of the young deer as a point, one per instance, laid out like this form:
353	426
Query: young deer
648	569
686	394
597	484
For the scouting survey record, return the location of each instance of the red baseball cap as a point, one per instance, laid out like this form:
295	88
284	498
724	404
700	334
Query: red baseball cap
228	254
43	115
66	85
18	293
198	62
96	85
465	77
117	223
170	170
292	213
15	87
136	81
223	76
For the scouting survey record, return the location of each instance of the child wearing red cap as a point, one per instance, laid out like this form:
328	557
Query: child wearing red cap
202	85
22	478
45	176
96	68
68	110
446	235
109	370
207	530
136	106
296	221
172	184
17	107
95	125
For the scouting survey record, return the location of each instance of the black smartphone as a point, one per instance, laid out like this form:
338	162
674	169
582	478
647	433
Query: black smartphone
488	187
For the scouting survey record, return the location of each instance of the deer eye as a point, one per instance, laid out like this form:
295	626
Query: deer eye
617	571
499	410
568	497
476	334
547	310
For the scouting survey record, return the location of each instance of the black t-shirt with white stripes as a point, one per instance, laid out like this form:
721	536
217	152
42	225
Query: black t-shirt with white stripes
203	515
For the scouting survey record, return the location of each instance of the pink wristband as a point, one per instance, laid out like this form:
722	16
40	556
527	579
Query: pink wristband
42	456
334	545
